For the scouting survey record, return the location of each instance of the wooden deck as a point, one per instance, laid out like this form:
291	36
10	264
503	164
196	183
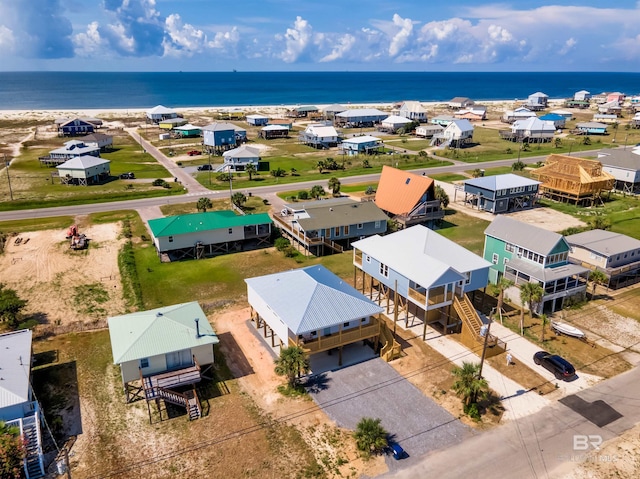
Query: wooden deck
173	379
341	338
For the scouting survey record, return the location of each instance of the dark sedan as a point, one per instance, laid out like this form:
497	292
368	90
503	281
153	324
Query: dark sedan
560	367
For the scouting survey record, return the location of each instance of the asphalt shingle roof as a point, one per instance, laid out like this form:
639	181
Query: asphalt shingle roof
327	214
525	235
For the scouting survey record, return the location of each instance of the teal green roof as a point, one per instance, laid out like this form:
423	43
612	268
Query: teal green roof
208	221
159	331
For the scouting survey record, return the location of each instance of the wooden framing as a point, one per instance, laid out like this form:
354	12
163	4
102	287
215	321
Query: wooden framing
571	179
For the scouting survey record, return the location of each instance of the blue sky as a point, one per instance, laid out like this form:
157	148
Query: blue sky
304	35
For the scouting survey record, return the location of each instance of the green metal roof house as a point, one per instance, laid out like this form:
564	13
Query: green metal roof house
166	347
200	234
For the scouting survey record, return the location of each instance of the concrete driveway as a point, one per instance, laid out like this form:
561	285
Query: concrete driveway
374	389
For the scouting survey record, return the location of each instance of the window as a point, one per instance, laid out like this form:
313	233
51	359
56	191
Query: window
494	258
346	230
505	260
336	231
170	239
509	247
359	226
378	224
468	279
327	233
230	230
384	270
144	363
345	325
367	258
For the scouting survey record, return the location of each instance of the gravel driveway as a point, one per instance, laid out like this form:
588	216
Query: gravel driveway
374	389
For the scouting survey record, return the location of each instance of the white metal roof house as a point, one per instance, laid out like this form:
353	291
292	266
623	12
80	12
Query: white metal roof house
312	308
18	407
320	135
521	113
84	170
237	159
426	272
163	350
71	149
533	130
99	140
159	113
257	120
582	95
428	130
393	123
537	101
457	133
615	254
413	110
274	131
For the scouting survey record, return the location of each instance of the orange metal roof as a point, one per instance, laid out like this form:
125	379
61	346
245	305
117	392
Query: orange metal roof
400	191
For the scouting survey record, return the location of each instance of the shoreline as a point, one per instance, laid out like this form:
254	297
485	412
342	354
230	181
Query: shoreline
106	113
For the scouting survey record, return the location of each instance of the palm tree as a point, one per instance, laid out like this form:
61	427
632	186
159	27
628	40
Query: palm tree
544	320
441	195
502	285
321	165
334	185
370	436
468	384
530	293
292	362
557	142
238	199
251	169
204	204
597	277
317	191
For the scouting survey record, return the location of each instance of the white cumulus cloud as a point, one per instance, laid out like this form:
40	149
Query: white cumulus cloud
297	40
7	40
89	41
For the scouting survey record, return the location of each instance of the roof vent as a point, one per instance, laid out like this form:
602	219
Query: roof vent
407	182
158	314
330	209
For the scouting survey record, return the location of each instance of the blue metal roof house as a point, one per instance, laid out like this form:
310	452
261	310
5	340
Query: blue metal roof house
592	128
500	193
558	120
361	145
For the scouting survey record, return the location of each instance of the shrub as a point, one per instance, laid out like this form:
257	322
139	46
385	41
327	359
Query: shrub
282	243
158	182
303	195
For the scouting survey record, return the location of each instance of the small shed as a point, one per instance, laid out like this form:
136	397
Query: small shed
84	170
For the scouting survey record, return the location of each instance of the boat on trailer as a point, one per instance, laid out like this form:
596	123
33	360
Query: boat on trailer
567	329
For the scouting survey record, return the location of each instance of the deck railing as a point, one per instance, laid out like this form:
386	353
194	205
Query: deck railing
341	338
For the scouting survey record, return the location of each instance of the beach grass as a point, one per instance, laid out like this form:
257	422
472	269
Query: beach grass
35	224
449	177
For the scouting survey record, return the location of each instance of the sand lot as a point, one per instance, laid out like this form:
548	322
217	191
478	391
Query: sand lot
66	289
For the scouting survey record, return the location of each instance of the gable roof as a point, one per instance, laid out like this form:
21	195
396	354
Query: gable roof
75	147
342	212
257	117
400	191
461	124
243	151
606	243
187	127
535	124
207	221
219	127
501	182
413	106
459	99
525	235
361	139
96	137
15	367
275	128
82	163
591	124
159	331
396	119
312	298
361	112
627	159
321	130
422	255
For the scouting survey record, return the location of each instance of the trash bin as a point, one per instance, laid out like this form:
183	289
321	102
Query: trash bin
398	452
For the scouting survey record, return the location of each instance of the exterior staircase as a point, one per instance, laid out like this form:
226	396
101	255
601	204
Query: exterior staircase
391	349
471	324
188	400
30	430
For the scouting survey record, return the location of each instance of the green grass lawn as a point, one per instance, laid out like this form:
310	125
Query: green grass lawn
409	143
36	224
254	205
33	185
467	231
448	177
623	213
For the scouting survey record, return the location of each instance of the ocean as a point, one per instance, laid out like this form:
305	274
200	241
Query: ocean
87	90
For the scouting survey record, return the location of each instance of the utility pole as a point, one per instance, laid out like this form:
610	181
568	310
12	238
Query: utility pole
6	165
486	341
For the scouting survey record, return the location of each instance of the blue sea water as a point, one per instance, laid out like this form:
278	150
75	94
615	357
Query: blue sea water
84	90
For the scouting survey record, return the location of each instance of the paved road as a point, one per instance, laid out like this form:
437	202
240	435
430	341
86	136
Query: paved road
197	190
541	445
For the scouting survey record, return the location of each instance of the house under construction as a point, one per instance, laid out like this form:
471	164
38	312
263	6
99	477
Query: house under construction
573	180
